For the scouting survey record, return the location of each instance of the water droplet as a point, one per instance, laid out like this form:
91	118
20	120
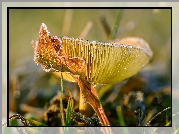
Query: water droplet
93	42
130	46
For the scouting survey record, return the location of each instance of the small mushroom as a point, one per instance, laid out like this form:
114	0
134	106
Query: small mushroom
91	63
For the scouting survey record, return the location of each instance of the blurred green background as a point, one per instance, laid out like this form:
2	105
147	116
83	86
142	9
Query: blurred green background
153	25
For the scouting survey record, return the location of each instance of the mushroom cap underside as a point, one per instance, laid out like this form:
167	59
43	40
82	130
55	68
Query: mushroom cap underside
106	63
109	62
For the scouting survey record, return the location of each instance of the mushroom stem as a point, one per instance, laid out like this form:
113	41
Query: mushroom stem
92	99
85	108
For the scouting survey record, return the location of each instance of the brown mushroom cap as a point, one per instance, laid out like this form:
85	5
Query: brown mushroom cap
107	63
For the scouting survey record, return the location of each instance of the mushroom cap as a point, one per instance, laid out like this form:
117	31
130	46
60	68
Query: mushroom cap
106	63
109	62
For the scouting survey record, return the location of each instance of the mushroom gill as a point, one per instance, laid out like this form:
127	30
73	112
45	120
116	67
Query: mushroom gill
109	62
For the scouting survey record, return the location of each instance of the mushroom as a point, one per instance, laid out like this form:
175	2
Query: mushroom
91	63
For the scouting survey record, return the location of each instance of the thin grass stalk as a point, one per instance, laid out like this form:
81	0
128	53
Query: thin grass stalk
61	102
67	22
31	121
69	111
121	119
105	24
104	90
120	116
116	25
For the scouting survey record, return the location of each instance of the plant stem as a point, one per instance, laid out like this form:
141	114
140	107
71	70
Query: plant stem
85	108
61	102
105	24
116	25
90	95
120	116
69	111
121	119
104	90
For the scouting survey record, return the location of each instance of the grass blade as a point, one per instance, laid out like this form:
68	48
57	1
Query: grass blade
120	116
61	102
121	119
69	111
116	25
36	123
